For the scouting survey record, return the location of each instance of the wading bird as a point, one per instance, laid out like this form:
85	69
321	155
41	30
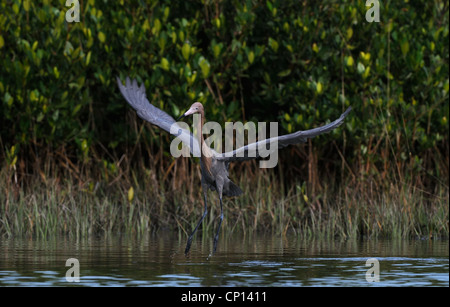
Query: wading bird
214	166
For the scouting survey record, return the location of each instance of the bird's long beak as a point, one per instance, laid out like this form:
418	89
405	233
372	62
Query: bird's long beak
184	115
188	112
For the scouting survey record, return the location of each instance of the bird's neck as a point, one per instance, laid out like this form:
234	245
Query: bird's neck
205	152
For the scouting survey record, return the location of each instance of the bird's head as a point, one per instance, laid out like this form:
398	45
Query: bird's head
196	107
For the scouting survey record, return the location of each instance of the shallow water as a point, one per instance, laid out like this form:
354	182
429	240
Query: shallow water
240	261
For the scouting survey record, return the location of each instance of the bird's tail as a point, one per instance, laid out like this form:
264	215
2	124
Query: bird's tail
231	189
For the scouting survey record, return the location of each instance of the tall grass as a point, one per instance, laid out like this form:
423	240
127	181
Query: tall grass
63	202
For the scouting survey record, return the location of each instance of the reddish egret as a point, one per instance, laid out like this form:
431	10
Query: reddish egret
214	166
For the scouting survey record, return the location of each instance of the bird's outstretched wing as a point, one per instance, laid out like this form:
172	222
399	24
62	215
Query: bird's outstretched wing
137	98
265	147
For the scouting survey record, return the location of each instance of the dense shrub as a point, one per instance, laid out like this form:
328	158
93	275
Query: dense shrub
300	63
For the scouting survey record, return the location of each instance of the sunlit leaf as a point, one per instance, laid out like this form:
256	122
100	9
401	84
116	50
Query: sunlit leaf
185	50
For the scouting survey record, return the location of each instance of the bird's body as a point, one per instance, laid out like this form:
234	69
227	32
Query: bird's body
214	166
218	179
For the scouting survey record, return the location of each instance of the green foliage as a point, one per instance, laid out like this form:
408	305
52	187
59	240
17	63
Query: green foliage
296	62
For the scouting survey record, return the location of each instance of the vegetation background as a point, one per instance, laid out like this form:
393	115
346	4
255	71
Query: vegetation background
75	159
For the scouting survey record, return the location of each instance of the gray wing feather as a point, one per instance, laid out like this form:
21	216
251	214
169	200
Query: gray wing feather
137	98
256	150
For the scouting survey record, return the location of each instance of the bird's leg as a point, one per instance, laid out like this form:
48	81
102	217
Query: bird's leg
191	236
216	238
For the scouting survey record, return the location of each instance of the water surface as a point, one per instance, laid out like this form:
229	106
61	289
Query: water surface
241	260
